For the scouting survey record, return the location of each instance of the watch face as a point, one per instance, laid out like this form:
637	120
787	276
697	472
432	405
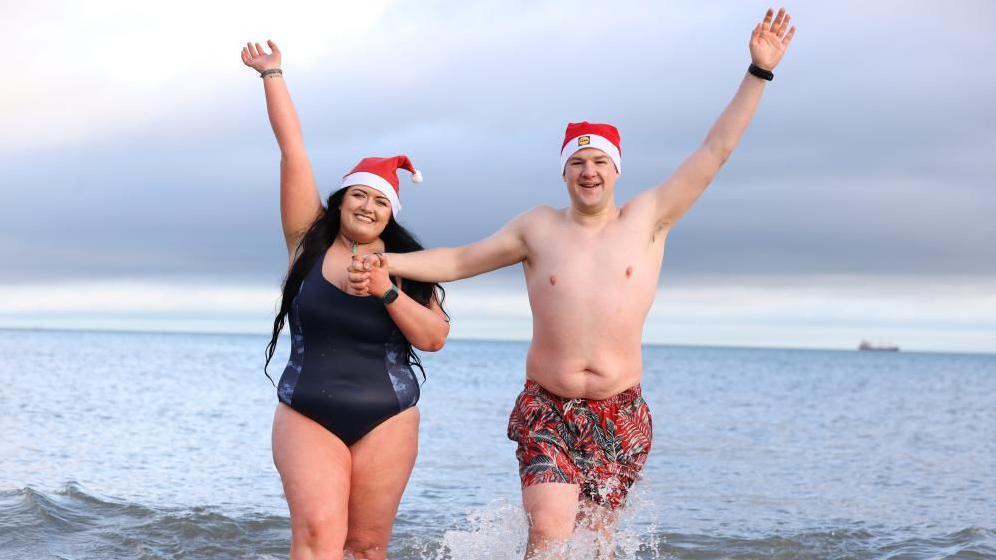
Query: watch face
390	295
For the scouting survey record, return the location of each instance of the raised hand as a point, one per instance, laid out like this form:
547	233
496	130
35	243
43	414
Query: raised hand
256	58
770	39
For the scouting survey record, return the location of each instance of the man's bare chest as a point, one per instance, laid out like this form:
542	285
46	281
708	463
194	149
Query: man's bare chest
611	259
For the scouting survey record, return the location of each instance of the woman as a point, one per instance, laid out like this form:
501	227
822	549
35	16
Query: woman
345	431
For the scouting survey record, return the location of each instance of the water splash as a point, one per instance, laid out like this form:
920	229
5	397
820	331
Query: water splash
499	531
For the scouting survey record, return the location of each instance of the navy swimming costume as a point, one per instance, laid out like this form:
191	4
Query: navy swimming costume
348	367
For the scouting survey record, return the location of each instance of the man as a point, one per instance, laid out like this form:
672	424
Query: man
582	427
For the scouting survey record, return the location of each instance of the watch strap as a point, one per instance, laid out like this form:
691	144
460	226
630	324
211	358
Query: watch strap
760	72
390	295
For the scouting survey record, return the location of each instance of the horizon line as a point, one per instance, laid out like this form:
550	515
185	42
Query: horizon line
472	339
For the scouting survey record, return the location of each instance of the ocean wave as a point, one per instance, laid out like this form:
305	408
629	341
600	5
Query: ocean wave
498	532
73	524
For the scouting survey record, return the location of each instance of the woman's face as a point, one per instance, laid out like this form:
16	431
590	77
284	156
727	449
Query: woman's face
364	213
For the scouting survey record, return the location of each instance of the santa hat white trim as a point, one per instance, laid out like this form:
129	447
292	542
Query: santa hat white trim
374	181
594	141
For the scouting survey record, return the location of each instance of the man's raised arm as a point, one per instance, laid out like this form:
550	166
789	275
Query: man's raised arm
505	247
675	196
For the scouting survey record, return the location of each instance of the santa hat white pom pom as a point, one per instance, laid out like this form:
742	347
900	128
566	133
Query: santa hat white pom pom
417	176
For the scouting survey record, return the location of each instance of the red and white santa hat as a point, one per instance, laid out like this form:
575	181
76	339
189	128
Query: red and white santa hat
381	173
600	136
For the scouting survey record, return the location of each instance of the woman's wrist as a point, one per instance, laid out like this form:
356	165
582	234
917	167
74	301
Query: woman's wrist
271	72
381	289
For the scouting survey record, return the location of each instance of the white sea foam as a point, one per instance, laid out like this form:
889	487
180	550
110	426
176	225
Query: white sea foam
499	531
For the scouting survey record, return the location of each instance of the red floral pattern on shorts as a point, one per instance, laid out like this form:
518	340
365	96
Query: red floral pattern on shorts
600	445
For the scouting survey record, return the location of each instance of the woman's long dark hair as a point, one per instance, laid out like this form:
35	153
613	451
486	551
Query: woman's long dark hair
317	241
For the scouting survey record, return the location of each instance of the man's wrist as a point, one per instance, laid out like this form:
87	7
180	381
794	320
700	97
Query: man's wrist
757	71
389	257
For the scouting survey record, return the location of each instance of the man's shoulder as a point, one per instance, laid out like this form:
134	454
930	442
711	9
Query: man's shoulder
543	213
539	216
643	206
644	199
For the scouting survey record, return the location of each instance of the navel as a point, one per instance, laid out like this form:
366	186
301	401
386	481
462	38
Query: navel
553	280
629	271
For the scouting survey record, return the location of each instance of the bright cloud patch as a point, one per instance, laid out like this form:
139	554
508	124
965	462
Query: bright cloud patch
946	314
87	70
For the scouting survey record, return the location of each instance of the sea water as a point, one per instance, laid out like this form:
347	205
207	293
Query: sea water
147	446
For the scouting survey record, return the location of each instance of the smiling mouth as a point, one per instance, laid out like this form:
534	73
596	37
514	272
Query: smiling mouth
589	186
364	219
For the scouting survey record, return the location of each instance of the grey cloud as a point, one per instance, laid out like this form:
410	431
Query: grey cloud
871	153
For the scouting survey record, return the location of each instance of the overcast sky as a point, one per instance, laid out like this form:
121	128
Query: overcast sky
135	145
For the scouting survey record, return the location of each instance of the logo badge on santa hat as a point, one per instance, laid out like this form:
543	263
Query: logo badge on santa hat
381	173
600	136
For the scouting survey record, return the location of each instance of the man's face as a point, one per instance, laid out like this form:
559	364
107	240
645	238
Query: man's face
590	176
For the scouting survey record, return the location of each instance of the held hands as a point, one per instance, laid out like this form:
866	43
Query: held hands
256	58
770	39
368	275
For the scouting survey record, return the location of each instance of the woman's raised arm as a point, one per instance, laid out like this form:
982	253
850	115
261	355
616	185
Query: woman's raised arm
300	202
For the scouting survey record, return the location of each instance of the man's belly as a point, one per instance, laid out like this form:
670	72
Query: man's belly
588	325
590	366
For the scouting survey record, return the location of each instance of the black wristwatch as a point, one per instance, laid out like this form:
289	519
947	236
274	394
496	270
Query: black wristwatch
390	295
760	72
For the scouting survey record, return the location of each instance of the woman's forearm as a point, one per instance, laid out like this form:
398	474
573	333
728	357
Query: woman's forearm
283	117
424	328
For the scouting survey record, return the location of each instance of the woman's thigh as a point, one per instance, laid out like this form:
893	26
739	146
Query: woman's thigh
314	467
382	462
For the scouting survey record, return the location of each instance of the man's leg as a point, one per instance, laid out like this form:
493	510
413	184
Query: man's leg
600	521
552	510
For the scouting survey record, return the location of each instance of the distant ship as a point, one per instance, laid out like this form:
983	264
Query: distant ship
865	345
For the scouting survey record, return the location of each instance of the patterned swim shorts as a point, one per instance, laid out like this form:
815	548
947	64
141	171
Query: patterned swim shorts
600	445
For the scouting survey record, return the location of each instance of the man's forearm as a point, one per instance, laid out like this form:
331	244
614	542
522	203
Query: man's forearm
731	125
431	265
